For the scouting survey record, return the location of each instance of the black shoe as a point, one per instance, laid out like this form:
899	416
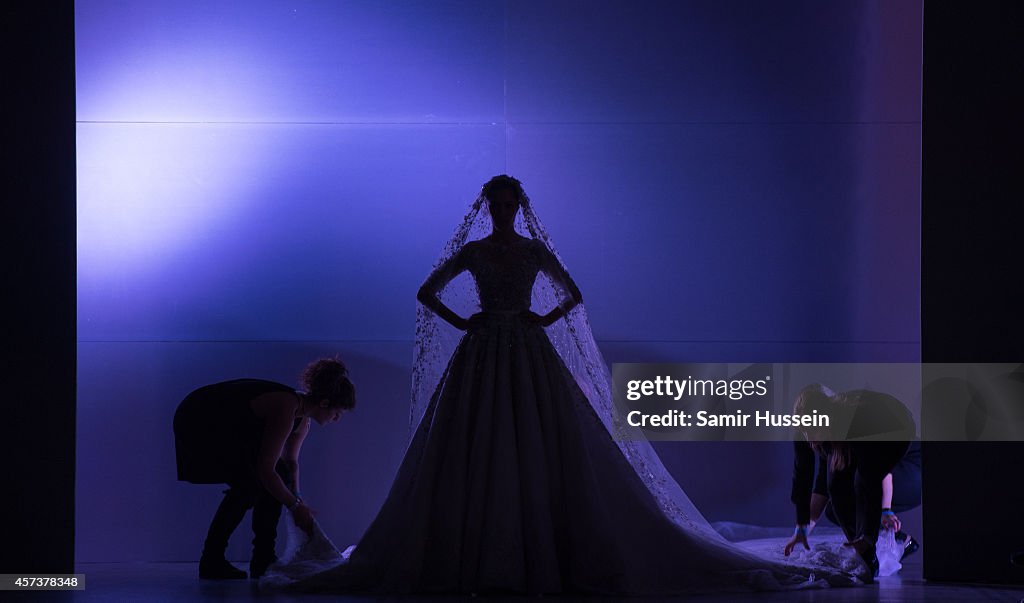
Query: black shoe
872	569
871	560
258	566
218	569
866	551
910	546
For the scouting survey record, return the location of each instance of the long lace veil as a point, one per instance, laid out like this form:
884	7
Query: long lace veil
436	342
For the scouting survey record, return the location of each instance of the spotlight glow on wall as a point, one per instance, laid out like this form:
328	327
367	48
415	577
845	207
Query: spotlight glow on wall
146	190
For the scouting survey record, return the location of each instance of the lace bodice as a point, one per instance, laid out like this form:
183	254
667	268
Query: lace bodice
504	273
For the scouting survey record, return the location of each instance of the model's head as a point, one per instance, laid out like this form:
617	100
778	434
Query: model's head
504	196
328	386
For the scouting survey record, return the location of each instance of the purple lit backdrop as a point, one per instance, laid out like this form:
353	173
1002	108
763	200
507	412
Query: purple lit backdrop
264	182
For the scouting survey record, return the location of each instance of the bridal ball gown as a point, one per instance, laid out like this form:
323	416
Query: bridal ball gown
512	482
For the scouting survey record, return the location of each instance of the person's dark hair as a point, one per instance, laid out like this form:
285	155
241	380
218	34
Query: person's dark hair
501	183
327	378
817	397
813	397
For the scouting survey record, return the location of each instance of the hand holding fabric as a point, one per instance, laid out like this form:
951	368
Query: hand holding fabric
303	517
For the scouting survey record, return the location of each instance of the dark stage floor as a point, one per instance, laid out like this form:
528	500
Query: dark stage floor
159	582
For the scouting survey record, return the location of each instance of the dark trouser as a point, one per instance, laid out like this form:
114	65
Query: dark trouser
906	484
856	490
244	493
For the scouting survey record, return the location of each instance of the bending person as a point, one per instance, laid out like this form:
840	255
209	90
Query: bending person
247	433
855	470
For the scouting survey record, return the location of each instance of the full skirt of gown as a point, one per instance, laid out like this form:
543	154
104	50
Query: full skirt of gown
511	483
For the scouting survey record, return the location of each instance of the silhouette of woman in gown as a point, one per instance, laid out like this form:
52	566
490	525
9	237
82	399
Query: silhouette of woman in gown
512	481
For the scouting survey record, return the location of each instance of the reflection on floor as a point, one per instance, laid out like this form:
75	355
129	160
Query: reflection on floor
159	582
